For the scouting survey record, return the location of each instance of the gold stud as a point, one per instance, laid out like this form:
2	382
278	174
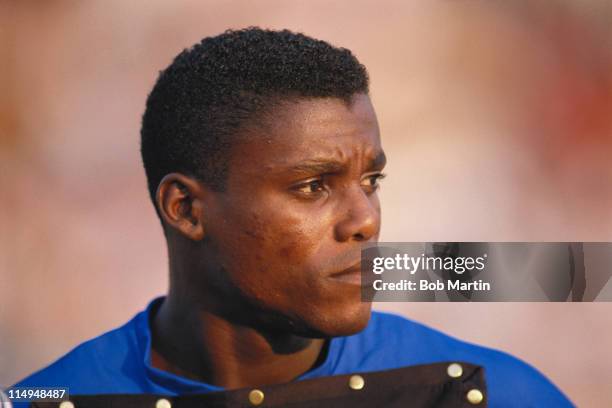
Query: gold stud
474	396
256	397
356	382
66	404
454	370
163	403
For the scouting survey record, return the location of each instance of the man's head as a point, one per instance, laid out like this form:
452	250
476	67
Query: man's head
262	156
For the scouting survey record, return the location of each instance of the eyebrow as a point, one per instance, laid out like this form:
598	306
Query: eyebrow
318	166
323	166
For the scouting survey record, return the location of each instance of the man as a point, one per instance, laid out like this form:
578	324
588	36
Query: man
263	157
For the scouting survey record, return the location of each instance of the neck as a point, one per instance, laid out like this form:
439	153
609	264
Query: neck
193	342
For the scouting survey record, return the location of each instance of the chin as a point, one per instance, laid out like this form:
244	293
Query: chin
339	322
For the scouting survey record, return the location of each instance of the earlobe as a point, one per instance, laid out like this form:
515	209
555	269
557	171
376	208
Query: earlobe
178	199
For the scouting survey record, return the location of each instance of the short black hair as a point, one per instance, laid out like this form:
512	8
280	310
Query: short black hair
212	90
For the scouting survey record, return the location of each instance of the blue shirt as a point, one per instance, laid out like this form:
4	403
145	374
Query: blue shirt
120	362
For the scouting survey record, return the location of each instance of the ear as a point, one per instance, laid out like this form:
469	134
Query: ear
179	200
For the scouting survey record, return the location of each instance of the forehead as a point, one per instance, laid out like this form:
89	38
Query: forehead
312	128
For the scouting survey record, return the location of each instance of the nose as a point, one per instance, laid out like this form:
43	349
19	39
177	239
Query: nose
359	217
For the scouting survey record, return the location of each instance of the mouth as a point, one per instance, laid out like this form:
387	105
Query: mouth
351	275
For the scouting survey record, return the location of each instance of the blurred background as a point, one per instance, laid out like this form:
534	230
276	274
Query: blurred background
496	118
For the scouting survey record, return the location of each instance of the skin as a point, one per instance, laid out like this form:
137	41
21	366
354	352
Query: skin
264	272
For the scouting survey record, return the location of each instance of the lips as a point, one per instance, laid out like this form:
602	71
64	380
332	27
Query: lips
351	275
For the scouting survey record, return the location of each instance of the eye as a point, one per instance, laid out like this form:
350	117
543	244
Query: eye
311	186
372	181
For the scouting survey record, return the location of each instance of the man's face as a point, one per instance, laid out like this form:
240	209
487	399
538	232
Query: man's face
301	199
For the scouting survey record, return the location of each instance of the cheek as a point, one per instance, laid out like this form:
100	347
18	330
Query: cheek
290	257
276	241
272	249
279	232
302	239
268	258
295	244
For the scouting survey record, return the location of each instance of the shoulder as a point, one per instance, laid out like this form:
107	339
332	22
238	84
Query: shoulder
99	362
392	341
